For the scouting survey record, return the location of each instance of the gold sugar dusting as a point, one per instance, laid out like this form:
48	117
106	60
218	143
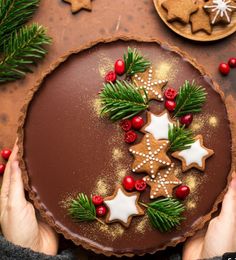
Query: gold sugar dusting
191	204
101	188
117	154
66	200
167	70
120	172
112	231
97	106
192	182
142	225
213	121
105	65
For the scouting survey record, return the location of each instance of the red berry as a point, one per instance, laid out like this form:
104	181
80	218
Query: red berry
97	200
128	183
110	77
182	192
101	211
140	185
2	168
224	68
170	105
232	62
186	119
6	153
137	122
170	93
130	137
126	125
120	67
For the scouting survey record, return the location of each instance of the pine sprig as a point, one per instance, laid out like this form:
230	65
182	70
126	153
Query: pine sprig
121	100
22	49
190	99
180	138
165	214
134	62
13	14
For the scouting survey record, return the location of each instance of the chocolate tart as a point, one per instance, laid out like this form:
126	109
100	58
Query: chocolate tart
65	147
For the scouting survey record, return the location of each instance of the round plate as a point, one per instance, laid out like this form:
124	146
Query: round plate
218	32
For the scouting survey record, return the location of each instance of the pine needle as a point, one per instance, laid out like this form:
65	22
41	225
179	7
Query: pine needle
180	138
121	100
165	214
21	50
134	62
190	99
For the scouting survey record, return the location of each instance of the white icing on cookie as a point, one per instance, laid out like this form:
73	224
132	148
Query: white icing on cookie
122	206
159	126
194	154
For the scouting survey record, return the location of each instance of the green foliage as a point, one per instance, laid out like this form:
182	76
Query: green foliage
121	100
22	49
190	99
82	209
165	214
180	138
13	14
134	62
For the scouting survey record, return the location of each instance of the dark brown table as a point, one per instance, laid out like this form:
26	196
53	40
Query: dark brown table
108	18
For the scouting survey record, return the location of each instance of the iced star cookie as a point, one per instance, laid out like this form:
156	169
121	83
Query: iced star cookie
195	156
220	11
150	155
163	184
122	206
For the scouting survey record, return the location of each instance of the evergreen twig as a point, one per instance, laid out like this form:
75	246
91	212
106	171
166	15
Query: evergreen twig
121	100
165	214
134	62
190	99
22	49
14	14
180	138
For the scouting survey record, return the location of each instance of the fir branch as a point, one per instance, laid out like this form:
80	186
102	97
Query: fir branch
190	99
134	62
121	100
13	14
22	49
165	214
180	138
82	209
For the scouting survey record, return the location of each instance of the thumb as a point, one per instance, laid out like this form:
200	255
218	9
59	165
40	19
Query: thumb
16	190
228	210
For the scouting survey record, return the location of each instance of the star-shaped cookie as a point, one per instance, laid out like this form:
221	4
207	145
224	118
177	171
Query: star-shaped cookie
163	184
152	86
179	10
122	206
220	11
150	155
200	21
195	156
158	125
77	5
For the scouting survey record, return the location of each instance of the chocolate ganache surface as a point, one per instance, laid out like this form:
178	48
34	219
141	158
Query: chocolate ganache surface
67	148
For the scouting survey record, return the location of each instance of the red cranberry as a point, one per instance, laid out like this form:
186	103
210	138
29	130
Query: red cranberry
101	211
232	62
186	119
140	185
97	200
2	168
182	192
170	105
120	67
5	153
128	183
170	93
110	77
224	68
130	137
137	122
126	125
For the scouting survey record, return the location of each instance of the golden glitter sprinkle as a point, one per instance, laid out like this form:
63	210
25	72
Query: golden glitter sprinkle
117	154
192	182
196	126
213	121
191	204
167	69
142	225
120	172
96	104
105	64
102	188
113	230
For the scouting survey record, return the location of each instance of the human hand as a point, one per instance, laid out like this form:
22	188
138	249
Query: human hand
220	235
17	216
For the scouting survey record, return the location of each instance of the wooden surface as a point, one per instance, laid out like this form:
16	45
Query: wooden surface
117	17
218	31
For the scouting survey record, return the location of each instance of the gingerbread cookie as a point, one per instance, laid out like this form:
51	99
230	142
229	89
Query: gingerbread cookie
179	10
77	5
220	11
147	82
150	155
158	125
200	21
195	156
122	206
